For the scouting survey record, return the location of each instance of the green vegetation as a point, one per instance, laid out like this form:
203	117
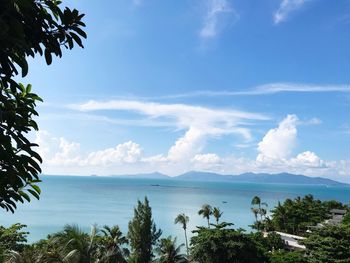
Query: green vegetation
223	244
298	215
206	211
212	243
143	233
183	220
329	244
28	28
168	251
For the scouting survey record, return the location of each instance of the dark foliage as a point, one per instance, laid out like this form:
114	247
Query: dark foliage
27	28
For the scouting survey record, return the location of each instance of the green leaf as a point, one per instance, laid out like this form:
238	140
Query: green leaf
77	39
35	194
48	57
36	188
29	88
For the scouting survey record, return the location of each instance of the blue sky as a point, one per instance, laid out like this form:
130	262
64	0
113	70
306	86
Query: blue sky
218	85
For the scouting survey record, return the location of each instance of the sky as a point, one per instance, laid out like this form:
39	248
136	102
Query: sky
227	86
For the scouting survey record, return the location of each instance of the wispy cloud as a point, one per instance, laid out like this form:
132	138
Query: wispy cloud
199	122
285	8
218	14
266	89
215	121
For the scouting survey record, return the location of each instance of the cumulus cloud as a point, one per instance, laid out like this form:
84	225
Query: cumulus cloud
186	146
62	156
276	148
308	159
208	158
57	150
218	13
128	152
278	143
285	8
61	152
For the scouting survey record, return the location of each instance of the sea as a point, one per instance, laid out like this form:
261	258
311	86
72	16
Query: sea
89	200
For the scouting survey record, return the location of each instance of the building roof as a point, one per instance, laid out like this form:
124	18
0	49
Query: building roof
291	240
338	211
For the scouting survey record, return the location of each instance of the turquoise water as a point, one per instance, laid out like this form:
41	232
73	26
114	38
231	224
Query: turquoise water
103	200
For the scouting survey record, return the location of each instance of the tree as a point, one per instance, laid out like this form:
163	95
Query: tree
143	233
257	209
346	219
28	28
328	244
77	246
206	211
221	244
269	243
168	251
13	238
111	245
287	257
296	216
217	214
183	220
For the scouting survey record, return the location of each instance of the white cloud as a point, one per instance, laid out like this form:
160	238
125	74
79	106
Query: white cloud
64	157
187	146
273	88
266	89
285	8
216	18
128	152
312	121
57	151
279	142
208	158
182	116
199	122
307	159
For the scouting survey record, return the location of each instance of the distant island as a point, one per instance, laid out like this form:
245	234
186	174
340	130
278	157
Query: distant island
280	178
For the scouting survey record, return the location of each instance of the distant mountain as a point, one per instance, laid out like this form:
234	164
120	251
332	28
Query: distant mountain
155	175
281	178
203	176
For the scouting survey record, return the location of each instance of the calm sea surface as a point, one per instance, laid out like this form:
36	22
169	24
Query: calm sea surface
106	200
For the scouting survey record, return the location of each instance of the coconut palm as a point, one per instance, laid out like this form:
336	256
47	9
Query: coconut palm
206	211
256	201
183	220
168	251
17	257
111	249
217	214
79	246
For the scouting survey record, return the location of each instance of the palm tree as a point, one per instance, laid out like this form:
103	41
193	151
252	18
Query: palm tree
17	257
255	212
112	242
79	246
217	214
206	211
257	201
183	220
168	252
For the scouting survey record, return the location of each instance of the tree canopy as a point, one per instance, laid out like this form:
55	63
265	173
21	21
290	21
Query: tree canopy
143	233
328	244
27	28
